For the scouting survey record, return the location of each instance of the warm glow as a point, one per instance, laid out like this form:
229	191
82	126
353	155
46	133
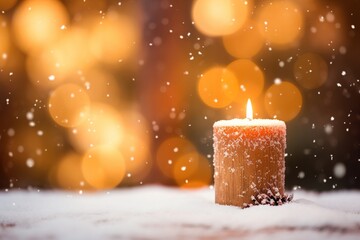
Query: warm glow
4	38
170	152
219	17
68	172
135	146
32	152
310	70
218	87
192	170
280	22
103	126
245	43
249	110
115	38
102	86
145	81
327	29
250	79
7	4
283	101
69	105
37	23
61	60
136	156
103	167
126	131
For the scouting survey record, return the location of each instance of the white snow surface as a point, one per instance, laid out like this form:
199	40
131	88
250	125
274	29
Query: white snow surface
156	212
245	122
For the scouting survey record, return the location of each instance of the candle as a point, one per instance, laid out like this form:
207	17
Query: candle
248	158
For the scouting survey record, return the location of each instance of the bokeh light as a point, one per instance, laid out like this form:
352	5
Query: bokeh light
219	17
26	144
192	170
249	77
30	152
61	60
102	126
147	80
103	167
280	22
328	29
244	43
283	101
114	38
310	70
7	4
218	87
135	146
87	7
169	153
4	37
69	105
136	157
37	23
126	131
68	172
102	86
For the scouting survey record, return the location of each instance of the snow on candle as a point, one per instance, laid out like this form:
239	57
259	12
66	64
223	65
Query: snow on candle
248	158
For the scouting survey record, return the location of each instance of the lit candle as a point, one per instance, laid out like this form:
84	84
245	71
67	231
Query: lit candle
249	158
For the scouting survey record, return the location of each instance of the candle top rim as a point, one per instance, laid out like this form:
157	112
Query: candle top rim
245	122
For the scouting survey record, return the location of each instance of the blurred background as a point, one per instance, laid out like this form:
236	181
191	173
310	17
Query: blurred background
98	94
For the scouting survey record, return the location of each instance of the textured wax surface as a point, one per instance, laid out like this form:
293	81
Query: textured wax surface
155	212
248	160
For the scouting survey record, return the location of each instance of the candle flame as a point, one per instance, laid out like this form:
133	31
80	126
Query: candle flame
249	110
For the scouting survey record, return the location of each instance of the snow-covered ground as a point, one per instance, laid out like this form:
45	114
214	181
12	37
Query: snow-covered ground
155	212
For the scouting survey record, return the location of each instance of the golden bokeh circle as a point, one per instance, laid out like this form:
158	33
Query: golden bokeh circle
69	105
170	151
219	17
103	167
310	70
250	79
244	43
280	22
68	172
218	87
136	156
37	23
103	126
135	146
283	101
4	39
192	170
25	143
60	60
115	39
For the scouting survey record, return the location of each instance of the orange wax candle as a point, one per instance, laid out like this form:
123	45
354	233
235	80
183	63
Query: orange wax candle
248	159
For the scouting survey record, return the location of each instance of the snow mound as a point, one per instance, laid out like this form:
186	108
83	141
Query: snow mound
155	212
